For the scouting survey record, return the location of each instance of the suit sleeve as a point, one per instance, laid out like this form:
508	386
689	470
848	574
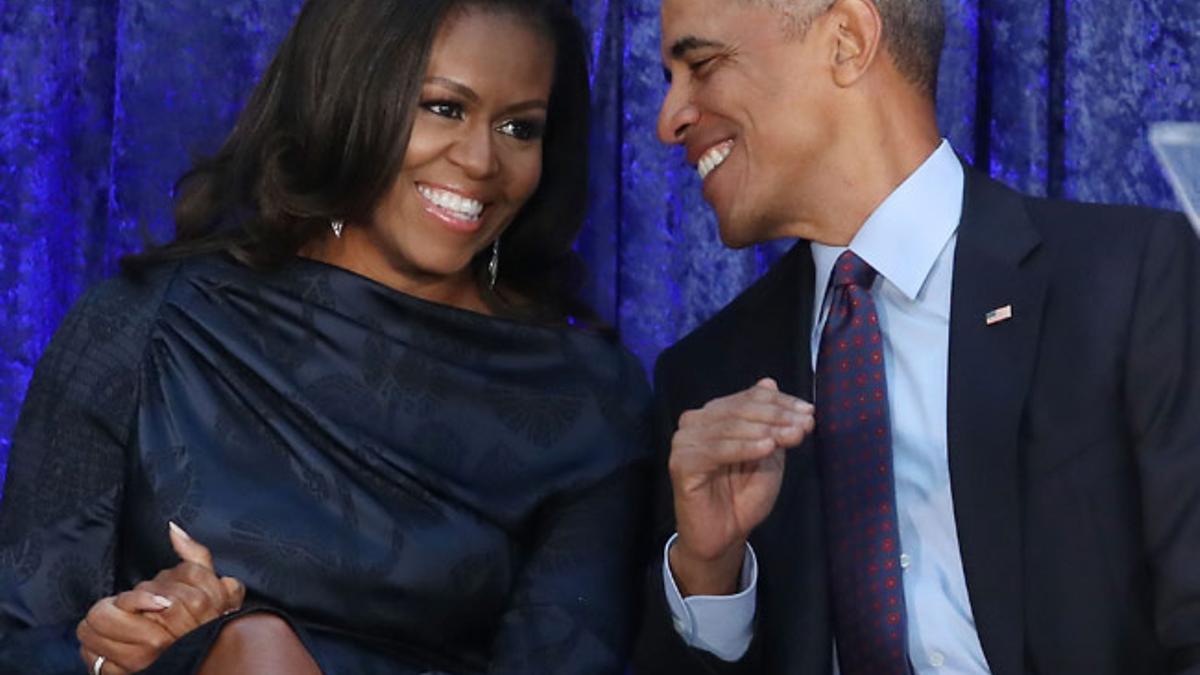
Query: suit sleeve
660	649
64	483
1163	400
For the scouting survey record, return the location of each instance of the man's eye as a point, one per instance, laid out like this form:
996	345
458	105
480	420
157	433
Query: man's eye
447	109
702	66
522	130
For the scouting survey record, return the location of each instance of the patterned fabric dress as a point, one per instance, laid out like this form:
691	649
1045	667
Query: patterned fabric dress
417	488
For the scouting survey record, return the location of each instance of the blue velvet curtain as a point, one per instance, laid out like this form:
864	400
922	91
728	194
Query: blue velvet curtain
103	103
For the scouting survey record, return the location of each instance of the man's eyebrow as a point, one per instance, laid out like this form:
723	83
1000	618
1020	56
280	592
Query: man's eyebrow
691	43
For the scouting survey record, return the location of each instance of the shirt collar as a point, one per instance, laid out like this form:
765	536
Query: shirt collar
903	238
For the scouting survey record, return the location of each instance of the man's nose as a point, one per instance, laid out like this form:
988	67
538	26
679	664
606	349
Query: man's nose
676	115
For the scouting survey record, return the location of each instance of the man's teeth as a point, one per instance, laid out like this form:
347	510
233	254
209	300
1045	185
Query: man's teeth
465	207
715	157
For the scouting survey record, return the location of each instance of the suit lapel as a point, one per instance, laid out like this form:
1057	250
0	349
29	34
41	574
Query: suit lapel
776	334
774	327
792	554
990	370
778	326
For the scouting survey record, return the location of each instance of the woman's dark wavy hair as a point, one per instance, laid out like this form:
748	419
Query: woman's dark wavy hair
324	135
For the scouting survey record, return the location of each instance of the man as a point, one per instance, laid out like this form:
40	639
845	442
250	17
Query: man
1001	473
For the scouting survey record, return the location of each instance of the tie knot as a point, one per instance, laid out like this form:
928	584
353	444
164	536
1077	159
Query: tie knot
852	270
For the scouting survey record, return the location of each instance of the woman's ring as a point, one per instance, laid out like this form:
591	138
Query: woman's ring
98	665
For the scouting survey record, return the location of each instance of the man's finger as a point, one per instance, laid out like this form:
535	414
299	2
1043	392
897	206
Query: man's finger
740	429
695	440
790	437
688	460
732	452
188	549
762	395
752	411
719	414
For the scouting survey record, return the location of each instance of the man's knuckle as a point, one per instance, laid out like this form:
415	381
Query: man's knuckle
674	465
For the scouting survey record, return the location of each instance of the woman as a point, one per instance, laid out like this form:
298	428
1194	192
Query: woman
359	376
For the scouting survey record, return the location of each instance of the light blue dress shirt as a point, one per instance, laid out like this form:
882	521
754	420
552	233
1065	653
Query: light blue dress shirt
910	240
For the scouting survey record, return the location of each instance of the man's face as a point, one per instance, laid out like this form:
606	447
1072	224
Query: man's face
751	105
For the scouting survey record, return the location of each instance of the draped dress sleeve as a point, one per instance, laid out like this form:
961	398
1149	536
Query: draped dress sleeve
573	607
63	490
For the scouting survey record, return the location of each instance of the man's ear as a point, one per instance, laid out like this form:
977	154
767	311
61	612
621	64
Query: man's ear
859	35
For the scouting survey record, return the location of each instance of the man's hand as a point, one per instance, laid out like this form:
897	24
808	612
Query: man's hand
726	467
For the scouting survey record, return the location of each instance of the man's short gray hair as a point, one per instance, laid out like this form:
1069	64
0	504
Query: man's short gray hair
913	32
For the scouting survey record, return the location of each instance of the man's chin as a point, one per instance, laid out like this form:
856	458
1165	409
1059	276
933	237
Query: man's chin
738	235
737	244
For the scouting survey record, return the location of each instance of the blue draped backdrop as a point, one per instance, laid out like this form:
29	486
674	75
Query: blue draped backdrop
103	103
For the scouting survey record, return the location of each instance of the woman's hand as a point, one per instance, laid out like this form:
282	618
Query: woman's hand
132	629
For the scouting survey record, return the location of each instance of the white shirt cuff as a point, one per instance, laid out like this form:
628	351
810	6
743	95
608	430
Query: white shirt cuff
722	625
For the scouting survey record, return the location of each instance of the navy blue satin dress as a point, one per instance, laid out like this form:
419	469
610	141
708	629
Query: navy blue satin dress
417	488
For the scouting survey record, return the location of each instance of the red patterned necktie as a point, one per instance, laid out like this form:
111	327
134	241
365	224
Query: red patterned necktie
854	438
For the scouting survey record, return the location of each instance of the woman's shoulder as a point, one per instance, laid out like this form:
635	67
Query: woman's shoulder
616	381
132	295
117	310
93	361
608	364
141	293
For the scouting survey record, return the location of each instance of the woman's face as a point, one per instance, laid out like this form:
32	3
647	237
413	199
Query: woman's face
474	159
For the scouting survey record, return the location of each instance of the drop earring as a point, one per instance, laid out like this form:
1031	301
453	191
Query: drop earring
494	264
336	226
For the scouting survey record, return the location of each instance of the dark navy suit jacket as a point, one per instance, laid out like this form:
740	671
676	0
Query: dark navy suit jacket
1074	442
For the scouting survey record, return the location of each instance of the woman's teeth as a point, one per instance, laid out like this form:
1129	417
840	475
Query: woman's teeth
461	207
715	157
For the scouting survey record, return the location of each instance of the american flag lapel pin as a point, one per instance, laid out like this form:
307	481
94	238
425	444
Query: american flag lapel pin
999	315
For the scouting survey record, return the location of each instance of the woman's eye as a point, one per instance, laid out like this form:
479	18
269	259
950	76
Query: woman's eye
446	109
522	130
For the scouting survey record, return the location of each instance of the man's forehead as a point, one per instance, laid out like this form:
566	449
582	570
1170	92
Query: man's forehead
714	22
691	23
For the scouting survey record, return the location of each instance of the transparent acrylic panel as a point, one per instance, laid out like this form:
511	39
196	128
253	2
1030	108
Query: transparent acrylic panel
1177	146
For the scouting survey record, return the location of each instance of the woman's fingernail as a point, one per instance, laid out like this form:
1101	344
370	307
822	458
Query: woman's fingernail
179	530
162	602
